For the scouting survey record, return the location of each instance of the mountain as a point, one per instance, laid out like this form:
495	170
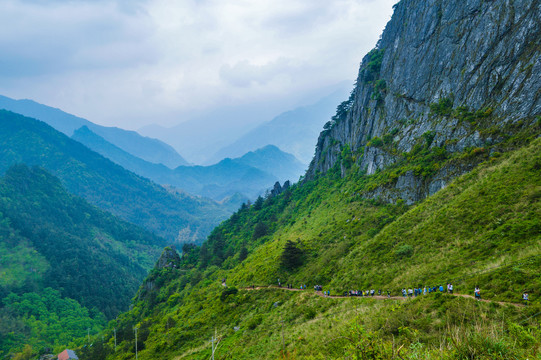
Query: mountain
105	184
249	175
429	174
151	150
274	161
71	262
292	131
200	139
451	78
482	229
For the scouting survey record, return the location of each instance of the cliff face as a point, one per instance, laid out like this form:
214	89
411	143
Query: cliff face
451	69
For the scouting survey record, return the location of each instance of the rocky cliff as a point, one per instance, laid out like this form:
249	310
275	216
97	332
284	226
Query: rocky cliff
451	75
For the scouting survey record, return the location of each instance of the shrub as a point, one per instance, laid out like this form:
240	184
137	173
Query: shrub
404	251
443	107
375	142
228	291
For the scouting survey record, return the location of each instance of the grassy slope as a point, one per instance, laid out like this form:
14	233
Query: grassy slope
483	228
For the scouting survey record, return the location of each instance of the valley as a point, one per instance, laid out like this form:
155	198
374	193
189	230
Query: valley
413	233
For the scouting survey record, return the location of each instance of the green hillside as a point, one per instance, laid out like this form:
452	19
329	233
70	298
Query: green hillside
104	183
483	229
65	264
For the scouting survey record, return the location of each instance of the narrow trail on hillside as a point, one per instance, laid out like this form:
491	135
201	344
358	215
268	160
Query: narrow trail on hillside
377	297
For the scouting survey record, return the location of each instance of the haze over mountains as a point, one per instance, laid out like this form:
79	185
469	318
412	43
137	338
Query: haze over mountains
159	162
148	149
428	173
172	215
292	131
249	175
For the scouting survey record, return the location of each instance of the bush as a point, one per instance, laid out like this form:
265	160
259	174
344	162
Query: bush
228	291
404	251
375	142
443	107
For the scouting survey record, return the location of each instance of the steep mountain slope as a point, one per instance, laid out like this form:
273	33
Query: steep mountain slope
429	173
103	183
151	150
250	175
64	264
87	254
483	229
457	74
293	131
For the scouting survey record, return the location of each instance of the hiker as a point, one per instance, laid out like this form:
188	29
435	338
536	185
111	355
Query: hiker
441	288
477	293
404	292
410	292
388	294
525	297
450	288
379	292
372	292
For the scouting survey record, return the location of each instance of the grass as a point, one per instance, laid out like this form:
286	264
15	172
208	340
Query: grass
483	228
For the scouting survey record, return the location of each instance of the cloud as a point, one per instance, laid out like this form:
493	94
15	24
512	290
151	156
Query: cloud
114	60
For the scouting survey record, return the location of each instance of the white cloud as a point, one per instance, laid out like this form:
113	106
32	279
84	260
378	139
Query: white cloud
128	63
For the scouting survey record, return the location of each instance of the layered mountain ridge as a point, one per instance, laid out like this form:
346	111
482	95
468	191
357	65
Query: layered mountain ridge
149	149
457	74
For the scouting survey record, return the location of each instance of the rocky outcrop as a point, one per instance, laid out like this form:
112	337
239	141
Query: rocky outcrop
447	68
168	259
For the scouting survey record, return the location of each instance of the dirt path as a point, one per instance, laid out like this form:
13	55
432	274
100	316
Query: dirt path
378	297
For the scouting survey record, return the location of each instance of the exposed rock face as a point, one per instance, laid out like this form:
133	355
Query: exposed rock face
481	55
168	258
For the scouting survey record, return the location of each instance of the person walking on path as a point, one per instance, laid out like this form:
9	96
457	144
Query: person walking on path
477	293
450	288
525	298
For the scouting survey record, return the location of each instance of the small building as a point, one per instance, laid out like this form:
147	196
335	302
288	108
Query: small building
67	355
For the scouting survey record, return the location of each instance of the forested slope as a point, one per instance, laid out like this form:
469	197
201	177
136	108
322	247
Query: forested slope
104	183
483	229
65	264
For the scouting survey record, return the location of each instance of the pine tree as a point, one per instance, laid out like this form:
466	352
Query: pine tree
292	256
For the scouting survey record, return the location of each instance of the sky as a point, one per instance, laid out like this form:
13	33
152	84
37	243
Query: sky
131	63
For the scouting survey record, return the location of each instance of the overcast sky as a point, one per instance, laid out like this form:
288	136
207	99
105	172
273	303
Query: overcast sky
129	63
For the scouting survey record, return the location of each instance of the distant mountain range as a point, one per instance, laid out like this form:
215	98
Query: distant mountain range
249	175
151	150
170	214
294	132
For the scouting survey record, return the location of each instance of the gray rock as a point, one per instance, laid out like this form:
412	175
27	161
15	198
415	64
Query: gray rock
479	54
169	258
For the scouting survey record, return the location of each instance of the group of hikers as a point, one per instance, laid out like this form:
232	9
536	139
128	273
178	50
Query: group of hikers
423	291
405	293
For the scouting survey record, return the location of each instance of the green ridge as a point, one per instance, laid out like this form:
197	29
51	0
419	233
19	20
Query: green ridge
484	228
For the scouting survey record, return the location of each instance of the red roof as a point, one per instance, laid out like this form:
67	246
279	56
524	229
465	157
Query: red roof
67	355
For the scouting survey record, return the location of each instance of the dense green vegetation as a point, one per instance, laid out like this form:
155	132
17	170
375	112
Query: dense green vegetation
482	229
105	184
43	320
49	240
